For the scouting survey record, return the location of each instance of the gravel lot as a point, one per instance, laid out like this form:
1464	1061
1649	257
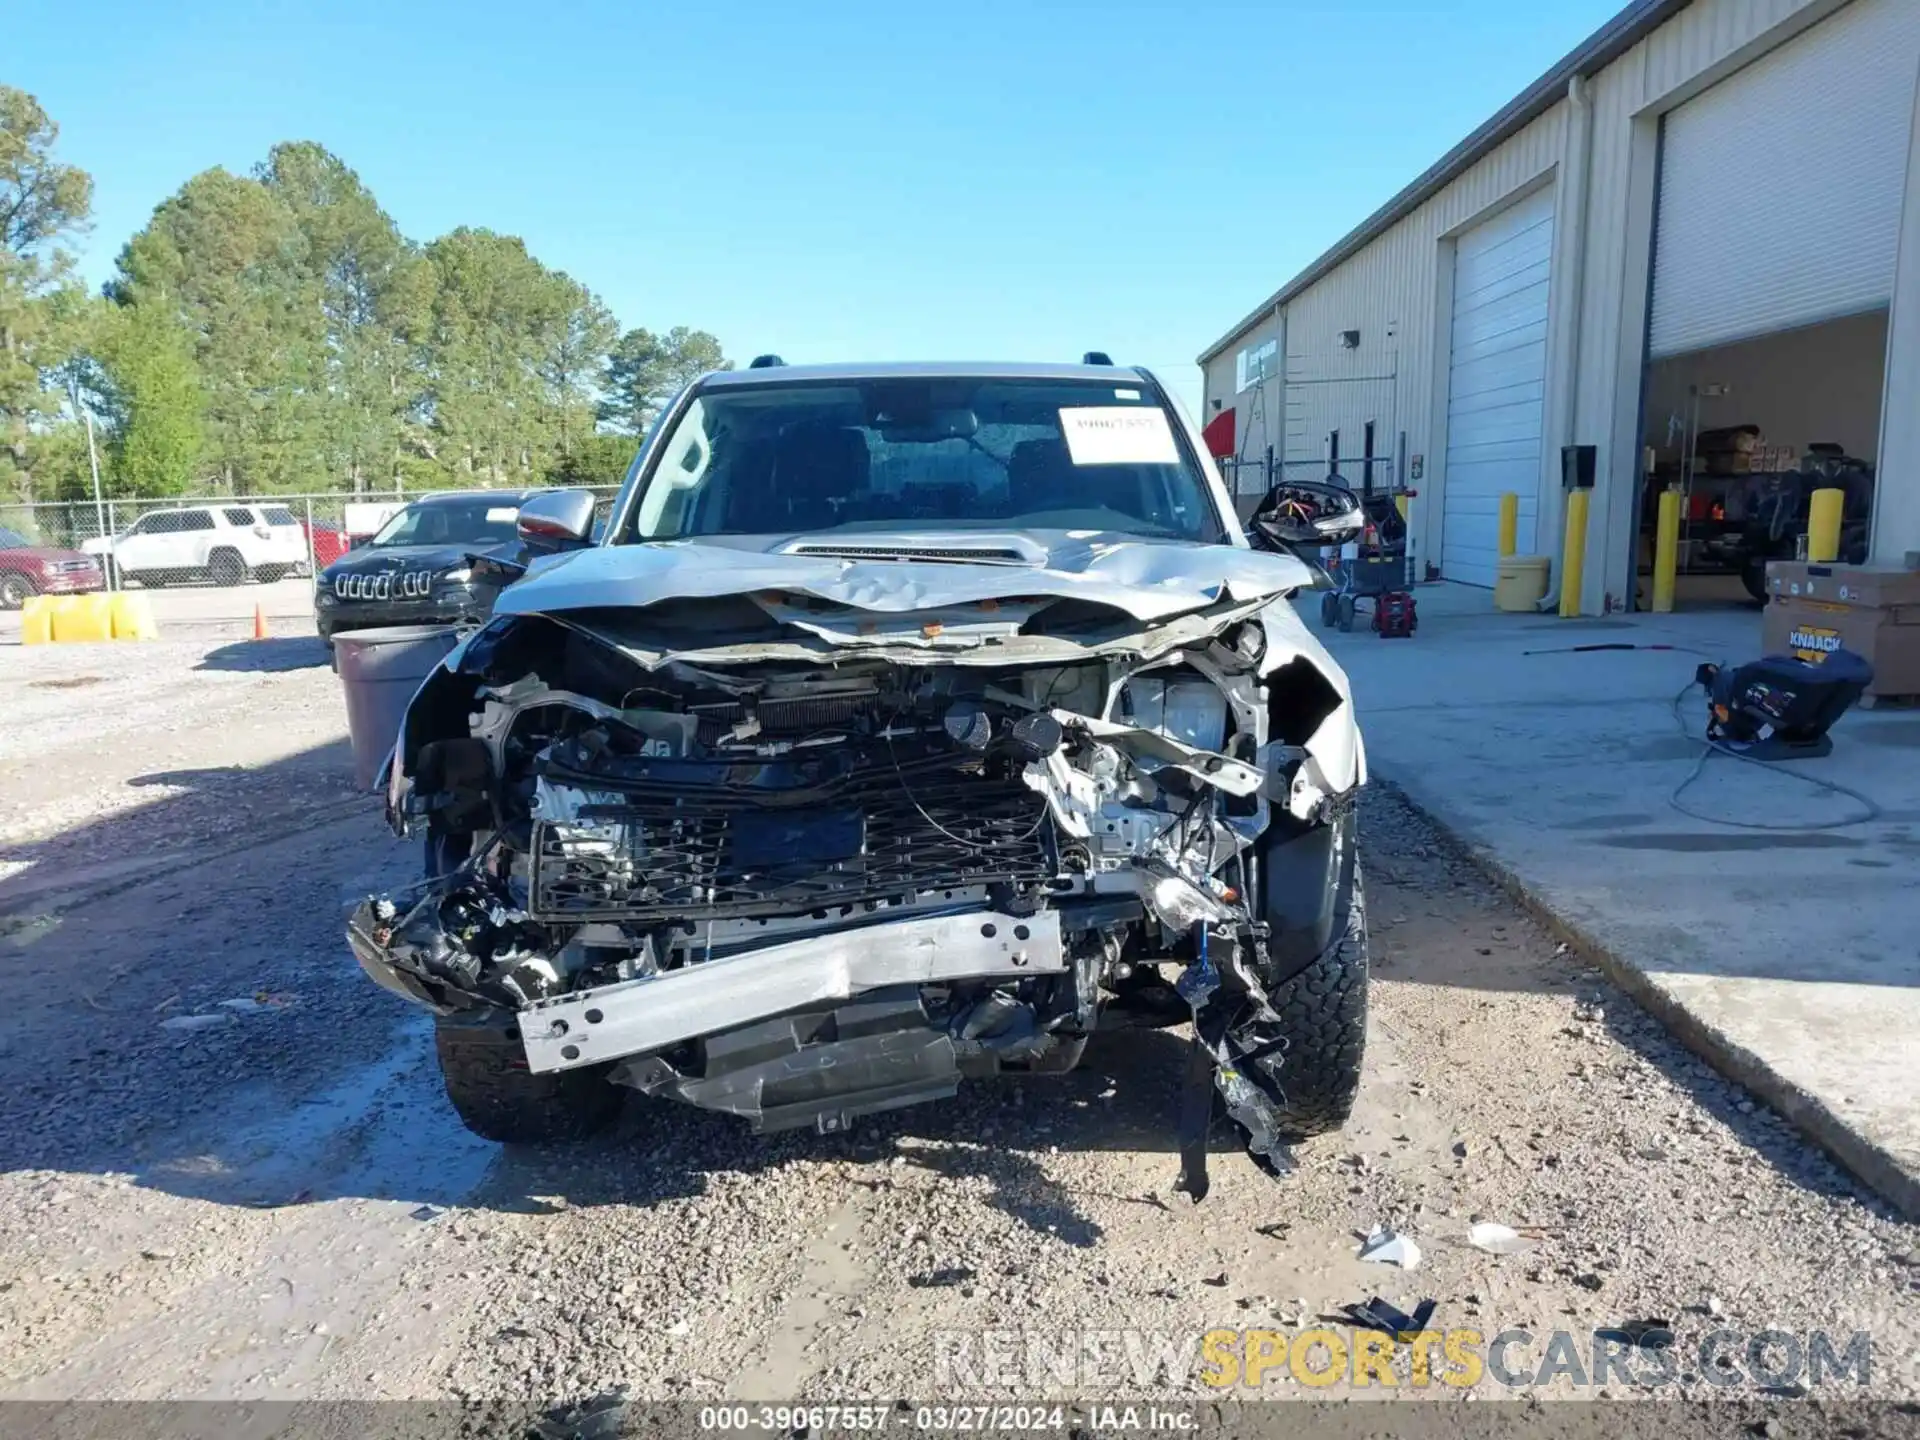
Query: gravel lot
279	1204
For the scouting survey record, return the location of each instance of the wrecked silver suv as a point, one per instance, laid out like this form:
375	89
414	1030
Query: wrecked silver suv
904	723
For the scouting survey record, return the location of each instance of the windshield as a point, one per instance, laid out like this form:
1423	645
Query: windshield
483	521
948	453
12	539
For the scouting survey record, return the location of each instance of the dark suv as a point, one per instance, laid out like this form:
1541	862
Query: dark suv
416	570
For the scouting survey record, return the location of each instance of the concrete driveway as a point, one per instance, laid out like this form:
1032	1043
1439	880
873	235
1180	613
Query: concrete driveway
1776	937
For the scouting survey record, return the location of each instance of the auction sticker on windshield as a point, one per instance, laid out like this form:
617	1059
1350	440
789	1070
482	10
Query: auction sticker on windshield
501	514
1118	435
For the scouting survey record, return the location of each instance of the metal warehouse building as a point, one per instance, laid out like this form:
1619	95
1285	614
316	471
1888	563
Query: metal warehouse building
1702	228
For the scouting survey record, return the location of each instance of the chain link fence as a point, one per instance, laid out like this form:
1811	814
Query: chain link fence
213	558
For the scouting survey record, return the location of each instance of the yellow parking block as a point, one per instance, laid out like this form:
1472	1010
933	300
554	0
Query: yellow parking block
133	618
36	621
82	618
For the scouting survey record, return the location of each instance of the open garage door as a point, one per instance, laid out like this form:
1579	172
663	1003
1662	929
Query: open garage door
1496	385
1781	187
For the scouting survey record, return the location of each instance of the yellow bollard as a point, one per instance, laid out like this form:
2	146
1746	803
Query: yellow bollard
1509	524
132	617
36	621
1666	552
1573	553
1823	525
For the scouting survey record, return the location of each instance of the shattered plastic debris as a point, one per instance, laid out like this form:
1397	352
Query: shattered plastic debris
1500	1239
1378	1314
942	1278
1389	1247
195	1022
603	1417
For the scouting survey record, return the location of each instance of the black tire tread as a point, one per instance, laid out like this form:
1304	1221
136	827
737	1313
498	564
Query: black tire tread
1323	1013
499	1099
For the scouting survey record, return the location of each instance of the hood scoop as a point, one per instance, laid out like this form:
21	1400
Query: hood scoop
940	550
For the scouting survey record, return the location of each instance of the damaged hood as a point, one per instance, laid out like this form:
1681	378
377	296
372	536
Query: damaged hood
1147	579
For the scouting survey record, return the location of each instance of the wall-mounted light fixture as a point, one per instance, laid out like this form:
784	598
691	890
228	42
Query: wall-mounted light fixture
1349	339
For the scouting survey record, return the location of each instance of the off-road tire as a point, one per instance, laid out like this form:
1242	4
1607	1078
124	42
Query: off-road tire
499	1099
1323	1013
15	591
1753	577
225	567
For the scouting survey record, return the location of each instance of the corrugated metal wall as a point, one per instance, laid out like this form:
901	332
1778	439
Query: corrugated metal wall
1393	292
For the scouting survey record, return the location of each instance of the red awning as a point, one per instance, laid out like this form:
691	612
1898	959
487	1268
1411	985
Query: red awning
1219	435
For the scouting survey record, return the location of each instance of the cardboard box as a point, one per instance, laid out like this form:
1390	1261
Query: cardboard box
1872	610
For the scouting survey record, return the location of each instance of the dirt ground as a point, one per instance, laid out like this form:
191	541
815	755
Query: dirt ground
274	1201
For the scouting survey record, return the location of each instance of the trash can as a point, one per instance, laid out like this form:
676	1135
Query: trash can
1520	583
379	672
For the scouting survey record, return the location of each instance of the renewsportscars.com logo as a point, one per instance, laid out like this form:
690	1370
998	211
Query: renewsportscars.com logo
1239	1360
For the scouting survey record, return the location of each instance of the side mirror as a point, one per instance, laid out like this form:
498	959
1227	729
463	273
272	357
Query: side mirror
557	519
1310	512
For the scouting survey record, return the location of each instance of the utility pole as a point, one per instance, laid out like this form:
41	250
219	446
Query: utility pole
93	457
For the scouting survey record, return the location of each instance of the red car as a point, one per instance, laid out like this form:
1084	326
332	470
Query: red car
27	570
326	542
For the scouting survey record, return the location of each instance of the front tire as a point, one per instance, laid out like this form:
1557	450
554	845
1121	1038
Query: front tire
1753	575
15	591
1323	1016
485	1071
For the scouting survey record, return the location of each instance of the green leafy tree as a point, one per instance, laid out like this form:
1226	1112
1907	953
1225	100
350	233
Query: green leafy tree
42	201
597	459
155	401
645	371
514	355
375	292
227	256
484	390
576	332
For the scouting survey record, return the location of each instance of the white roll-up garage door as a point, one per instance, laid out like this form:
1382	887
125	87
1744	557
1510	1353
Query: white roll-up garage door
1780	188
1496	384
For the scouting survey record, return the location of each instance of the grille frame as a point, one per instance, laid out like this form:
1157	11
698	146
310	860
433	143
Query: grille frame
650	851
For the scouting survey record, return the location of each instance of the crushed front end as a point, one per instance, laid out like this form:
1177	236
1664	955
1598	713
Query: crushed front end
819	873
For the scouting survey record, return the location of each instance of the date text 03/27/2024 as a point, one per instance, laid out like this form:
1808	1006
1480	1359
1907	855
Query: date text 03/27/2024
937	1419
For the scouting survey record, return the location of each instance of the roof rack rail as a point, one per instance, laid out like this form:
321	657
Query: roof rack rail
765	362
1096	357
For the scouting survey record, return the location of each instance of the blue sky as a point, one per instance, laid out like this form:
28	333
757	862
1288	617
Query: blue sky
827	180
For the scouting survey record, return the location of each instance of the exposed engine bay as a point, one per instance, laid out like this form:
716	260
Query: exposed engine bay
803	880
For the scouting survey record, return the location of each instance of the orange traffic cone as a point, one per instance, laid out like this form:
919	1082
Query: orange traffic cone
259	622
